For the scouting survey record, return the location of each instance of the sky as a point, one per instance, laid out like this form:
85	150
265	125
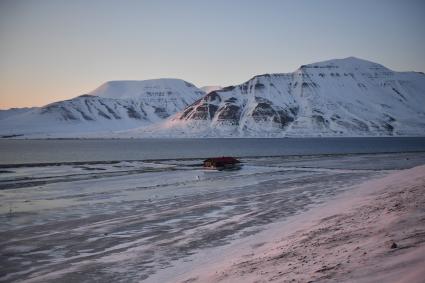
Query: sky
52	50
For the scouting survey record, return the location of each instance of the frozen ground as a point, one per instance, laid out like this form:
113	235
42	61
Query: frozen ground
372	233
138	221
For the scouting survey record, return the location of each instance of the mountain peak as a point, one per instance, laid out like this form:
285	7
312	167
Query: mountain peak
348	63
338	97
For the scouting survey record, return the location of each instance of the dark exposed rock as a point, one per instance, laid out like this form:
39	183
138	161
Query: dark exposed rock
319	120
259	86
335	117
110	111
260	99
103	114
132	113
200	113
186	113
310	84
390	118
263	111
161	112
361	125
294	110
212	110
86	102
228	88
143	111
394	245
212	96
204	111
283	118
399	93
231	99
361	85
229	112
244	88
66	114
388	127
84	115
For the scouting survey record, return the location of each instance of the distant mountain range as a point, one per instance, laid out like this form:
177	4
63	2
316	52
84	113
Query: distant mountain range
114	106
341	97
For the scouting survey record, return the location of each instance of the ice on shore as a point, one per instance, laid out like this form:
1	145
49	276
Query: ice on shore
140	221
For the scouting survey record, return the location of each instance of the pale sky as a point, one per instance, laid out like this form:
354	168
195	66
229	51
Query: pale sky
52	50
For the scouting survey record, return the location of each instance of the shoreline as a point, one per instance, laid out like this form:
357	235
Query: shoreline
103	223
351	238
150	160
17	137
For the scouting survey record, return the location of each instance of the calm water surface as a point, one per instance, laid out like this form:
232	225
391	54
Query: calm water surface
47	151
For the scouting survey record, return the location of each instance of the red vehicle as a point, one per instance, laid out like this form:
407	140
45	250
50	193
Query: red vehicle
221	163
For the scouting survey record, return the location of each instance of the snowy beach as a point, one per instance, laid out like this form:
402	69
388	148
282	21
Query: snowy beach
374	233
172	221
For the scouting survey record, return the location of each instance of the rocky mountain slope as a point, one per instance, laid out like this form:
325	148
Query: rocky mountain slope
116	105
342	97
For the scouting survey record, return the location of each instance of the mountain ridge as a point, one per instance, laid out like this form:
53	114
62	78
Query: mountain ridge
338	97
102	111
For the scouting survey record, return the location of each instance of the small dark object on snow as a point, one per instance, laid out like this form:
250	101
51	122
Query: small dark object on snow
394	246
221	163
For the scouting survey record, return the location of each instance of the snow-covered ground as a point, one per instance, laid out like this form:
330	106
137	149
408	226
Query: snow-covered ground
151	221
373	233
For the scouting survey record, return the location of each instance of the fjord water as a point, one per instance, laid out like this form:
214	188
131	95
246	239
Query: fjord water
75	150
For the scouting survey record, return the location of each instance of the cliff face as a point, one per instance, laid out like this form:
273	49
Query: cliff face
345	97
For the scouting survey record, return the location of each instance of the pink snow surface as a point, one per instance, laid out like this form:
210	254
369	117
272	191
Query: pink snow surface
349	239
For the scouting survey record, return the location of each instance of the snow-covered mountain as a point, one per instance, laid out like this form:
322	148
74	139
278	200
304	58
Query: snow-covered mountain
342	97
14	111
114	106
